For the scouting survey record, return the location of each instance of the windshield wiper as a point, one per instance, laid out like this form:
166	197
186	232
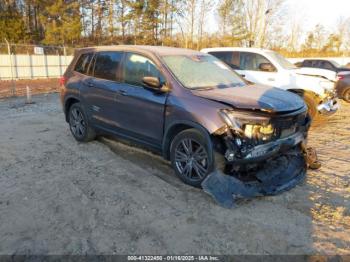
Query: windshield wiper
217	87
203	88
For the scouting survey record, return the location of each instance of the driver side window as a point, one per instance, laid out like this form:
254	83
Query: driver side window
253	62
136	67
326	65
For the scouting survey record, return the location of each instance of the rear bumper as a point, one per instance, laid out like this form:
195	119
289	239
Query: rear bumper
328	107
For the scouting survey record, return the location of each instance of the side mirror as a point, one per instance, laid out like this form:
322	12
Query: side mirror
267	67
151	81
154	83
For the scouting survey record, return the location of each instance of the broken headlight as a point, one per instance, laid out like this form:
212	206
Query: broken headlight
259	132
248	125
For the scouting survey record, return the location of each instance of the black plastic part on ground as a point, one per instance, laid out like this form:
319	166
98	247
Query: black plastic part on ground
277	175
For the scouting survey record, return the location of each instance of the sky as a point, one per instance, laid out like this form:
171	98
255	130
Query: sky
325	12
312	12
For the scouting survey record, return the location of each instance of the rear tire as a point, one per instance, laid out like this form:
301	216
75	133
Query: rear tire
192	157
79	125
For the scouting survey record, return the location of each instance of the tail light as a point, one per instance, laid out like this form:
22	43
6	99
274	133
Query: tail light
340	77
62	81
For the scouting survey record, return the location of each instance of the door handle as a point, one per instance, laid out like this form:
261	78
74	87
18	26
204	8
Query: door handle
243	75
122	92
271	79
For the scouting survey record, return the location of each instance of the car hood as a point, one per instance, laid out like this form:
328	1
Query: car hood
254	97
317	72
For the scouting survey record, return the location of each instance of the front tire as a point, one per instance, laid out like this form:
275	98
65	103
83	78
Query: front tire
346	95
79	125
311	102
192	157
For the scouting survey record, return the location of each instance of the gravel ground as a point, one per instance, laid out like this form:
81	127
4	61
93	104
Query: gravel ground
36	86
58	196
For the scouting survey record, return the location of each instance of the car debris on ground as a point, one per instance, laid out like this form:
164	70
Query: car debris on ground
277	175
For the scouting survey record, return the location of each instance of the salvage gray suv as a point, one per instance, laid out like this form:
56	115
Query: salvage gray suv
190	107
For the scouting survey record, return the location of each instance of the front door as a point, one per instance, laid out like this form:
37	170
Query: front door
140	109
250	69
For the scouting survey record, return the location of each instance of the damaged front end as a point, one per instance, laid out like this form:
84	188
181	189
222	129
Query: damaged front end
264	153
328	103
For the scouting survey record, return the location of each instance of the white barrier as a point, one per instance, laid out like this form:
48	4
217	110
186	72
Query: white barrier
33	66
53	66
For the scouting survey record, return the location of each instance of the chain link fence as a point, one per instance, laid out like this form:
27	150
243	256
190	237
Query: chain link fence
22	49
19	61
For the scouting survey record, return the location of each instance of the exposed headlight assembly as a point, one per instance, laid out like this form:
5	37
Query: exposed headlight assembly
247	125
259	132
231	120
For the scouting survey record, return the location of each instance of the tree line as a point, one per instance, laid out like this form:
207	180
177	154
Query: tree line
180	23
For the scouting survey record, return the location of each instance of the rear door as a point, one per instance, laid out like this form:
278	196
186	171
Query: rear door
80	72
140	109
102	87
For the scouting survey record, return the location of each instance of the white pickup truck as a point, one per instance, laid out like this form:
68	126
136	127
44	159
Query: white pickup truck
267	67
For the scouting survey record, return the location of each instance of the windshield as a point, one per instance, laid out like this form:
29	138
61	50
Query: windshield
282	61
202	72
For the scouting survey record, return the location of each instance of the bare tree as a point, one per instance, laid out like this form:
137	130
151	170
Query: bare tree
320	36
346	43
111	27
232	21
122	13
192	11
205	7
342	28
296	28
259	15
224	12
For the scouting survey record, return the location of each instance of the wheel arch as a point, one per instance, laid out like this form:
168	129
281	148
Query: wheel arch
177	127
344	90
68	103
302	92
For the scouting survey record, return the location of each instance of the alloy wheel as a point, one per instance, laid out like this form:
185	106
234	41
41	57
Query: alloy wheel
77	123
191	159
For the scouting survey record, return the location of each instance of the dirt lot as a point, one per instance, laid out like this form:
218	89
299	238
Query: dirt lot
61	197
38	86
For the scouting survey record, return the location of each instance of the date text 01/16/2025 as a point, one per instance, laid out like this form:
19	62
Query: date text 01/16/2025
173	258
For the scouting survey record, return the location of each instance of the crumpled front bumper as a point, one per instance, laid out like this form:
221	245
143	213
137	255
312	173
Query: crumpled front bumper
266	151
277	175
328	107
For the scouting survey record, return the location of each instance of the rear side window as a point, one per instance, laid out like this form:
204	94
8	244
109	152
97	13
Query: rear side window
136	67
230	58
326	65
107	64
83	62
